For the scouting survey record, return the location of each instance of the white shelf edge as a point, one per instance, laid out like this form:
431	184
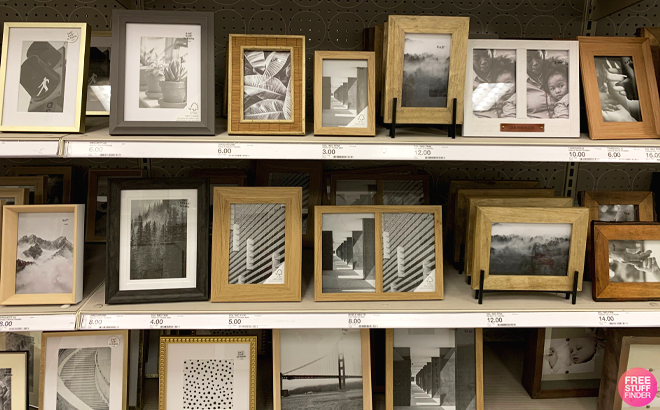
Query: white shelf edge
33	148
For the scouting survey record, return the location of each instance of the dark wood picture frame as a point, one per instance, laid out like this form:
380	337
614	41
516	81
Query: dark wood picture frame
206	125
67	178
380	181
201	290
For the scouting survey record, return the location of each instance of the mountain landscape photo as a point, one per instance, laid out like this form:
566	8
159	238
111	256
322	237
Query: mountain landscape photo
425	70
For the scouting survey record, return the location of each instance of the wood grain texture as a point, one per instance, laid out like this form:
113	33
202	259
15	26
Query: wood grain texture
65	172
370	57
398	26
40	184
20	196
486	216
640	51
653	34
277	370
380	179
221	289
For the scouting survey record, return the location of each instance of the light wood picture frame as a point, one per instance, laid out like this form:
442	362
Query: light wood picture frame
653	34
549	278
63	107
357	94
16	387
86	347
465	346
98	188
389	188
36	186
265	112
318	342
607	115
474	202
99	72
305	174
257	226
58	185
343	238
15	196
620	272
398	29
63	239
178	354
493	110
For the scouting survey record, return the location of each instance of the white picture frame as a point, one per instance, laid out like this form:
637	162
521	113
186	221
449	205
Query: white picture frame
543	120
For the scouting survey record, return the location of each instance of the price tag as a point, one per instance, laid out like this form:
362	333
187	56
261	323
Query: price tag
12	323
102	149
337	151
100	322
500	320
232	150
652	154
614	319
162	322
576	154
362	321
427	152
240	321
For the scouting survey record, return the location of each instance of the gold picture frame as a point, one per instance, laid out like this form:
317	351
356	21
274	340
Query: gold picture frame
80	88
65	172
228	239
19	196
38	182
164	360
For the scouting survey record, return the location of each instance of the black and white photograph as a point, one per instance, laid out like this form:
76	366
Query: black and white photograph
634	261
573	354
256	244
294	179
321	369
356	192
15	342
408	252
403	192
158	238
494	83
617	86
548	84
345	93
5	388
167	73
267	85
433	369
83	378
44	253
42	76
349	253
617	213
425	70
531	249
98	77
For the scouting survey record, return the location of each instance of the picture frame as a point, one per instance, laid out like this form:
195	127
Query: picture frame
475	202
551	106
350	264
394	169
239	262
221	178
286	352
142	277
137	352
36	186
653	34
178	44
636	116
357	94
617	277
251	111
58	185
29	342
53	231
500	276
31	87
390	189
105	350
220	356
305	174
15	196
97	200
98	84
464	346
450	32
14	378
546	376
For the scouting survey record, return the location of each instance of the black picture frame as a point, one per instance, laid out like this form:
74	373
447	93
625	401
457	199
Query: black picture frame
26	354
118	126
199	293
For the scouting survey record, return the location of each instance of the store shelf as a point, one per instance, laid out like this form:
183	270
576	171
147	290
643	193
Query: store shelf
29	145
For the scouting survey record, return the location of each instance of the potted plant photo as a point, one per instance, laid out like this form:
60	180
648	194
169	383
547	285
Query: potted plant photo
174	84
147	63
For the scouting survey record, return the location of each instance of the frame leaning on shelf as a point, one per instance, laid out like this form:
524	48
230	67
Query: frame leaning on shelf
15	196
58	184
379	189
35	184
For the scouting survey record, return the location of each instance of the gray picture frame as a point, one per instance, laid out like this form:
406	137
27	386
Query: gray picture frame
119	126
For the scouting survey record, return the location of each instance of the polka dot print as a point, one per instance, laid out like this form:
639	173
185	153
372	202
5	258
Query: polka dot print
208	384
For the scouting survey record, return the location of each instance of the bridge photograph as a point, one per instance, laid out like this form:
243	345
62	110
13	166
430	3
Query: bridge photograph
321	369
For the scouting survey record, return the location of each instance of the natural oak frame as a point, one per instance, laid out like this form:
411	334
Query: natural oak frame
45	336
604	290
236	124
24	362
462	210
99	36
377	211
397	27
474	202
9	244
81	84
221	289
66	172
479	368
162	361
315	171
92	189
366	370
640	51
38	182
21	195
486	216
370	57
380	180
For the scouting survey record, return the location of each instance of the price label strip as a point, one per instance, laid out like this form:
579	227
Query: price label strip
242	321
428	152
233	150
501	320
362	321
37	323
338	151
613	319
103	149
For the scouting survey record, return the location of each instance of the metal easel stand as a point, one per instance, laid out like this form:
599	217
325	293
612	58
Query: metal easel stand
480	293
451	132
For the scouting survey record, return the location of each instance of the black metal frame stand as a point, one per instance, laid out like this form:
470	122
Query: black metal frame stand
451	132
479	294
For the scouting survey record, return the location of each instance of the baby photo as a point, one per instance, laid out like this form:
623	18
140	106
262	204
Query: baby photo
571	351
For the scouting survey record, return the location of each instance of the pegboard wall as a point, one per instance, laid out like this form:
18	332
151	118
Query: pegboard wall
625	22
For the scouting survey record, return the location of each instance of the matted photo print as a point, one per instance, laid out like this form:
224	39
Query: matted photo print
572	355
267	85
345	93
634	261
83	378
